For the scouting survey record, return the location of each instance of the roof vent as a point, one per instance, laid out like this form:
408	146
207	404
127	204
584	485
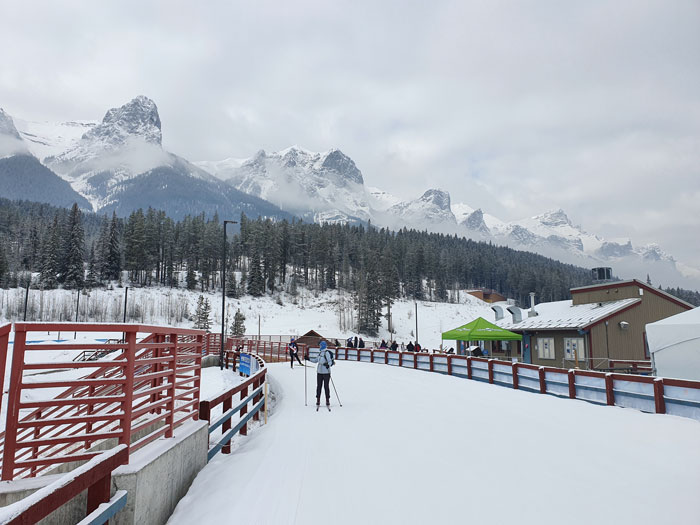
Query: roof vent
516	313
499	312
532	312
601	275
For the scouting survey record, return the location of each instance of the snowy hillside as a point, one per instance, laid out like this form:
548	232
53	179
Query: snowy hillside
47	139
329	313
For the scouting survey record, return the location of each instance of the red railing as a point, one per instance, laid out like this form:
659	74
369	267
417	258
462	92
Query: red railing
140	392
646	393
271	351
206	407
4	340
95	477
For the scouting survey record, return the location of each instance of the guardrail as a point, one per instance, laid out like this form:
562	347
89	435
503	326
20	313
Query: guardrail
271	351
95	477
140	392
257	383
4	341
646	393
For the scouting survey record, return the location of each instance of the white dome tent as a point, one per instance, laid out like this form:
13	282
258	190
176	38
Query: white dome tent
674	345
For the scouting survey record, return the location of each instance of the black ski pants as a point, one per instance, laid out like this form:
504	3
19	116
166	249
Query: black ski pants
292	355
323	380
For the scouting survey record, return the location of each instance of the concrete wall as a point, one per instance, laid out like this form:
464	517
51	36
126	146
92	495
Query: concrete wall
156	478
159	475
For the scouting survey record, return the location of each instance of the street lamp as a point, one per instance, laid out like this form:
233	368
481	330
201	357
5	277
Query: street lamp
223	297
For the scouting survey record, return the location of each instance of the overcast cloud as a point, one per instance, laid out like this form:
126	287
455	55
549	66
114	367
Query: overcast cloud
515	107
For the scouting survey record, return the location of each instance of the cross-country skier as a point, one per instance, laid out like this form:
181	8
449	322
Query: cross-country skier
323	374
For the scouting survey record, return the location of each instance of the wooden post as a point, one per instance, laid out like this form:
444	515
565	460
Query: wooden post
415	360
572	384
449	365
516	384
432	365
659	401
99	492
469	367
386	357
400	358
490	367
244	411
16	371
127	407
609	394
543	383
228	404
172	392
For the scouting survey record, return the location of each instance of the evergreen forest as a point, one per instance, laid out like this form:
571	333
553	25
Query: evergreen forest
73	249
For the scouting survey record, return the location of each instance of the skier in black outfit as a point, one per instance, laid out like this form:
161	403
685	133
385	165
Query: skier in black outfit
323	374
361	343
294	352
409	346
394	346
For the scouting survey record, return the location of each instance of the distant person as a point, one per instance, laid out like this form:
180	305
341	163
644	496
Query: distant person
361	343
323	374
394	346
417	347
348	343
337	343
355	345
410	346
294	353
383	344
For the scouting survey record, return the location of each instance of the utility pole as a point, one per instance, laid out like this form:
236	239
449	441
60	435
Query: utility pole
416	321
223	297
77	309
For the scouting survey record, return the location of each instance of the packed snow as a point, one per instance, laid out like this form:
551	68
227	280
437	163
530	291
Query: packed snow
418	447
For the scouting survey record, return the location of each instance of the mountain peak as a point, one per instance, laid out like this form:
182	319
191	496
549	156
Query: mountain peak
337	161
10	140
137	118
554	218
437	197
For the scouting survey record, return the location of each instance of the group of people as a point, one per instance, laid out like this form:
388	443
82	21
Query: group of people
354	343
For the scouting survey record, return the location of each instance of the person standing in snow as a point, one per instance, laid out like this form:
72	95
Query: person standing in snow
294	352
355	345
394	346
323	374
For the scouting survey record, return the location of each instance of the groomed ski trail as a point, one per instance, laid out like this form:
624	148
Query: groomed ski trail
417	447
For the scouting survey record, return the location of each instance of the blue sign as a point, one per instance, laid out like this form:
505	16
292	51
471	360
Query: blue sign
244	365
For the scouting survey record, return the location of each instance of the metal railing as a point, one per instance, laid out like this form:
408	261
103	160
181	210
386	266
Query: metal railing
256	382
143	390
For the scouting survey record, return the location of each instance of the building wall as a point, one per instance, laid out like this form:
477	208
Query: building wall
558	336
629	343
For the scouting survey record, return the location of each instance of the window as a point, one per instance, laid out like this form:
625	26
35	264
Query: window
545	347
573	348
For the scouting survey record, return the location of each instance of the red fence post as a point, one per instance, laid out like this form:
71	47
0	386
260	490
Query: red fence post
127	407
4	340
244	411
449	365
572	384
415	360
516	384
170	418
386	357
469	367
609	394
99	492
400	358
543	383
659	401
227	424
8	461
490	367
432	366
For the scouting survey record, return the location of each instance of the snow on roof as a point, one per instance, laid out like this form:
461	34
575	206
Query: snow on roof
566	315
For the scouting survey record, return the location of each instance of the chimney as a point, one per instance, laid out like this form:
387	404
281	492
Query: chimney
532	312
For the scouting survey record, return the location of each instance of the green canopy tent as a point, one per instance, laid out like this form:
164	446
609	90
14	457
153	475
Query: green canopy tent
481	330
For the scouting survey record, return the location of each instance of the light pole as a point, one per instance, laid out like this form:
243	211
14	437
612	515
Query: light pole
223	297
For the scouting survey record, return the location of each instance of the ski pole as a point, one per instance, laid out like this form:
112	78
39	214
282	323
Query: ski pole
336	392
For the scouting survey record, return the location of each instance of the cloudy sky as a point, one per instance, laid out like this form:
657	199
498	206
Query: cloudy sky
514	107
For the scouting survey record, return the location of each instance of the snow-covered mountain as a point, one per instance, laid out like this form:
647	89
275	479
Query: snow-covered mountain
319	186
328	187
23	177
118	164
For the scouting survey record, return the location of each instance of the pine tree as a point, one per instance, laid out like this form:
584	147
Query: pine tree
190	279
238	325
50	256
202	313
256	285
75	250
3	265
